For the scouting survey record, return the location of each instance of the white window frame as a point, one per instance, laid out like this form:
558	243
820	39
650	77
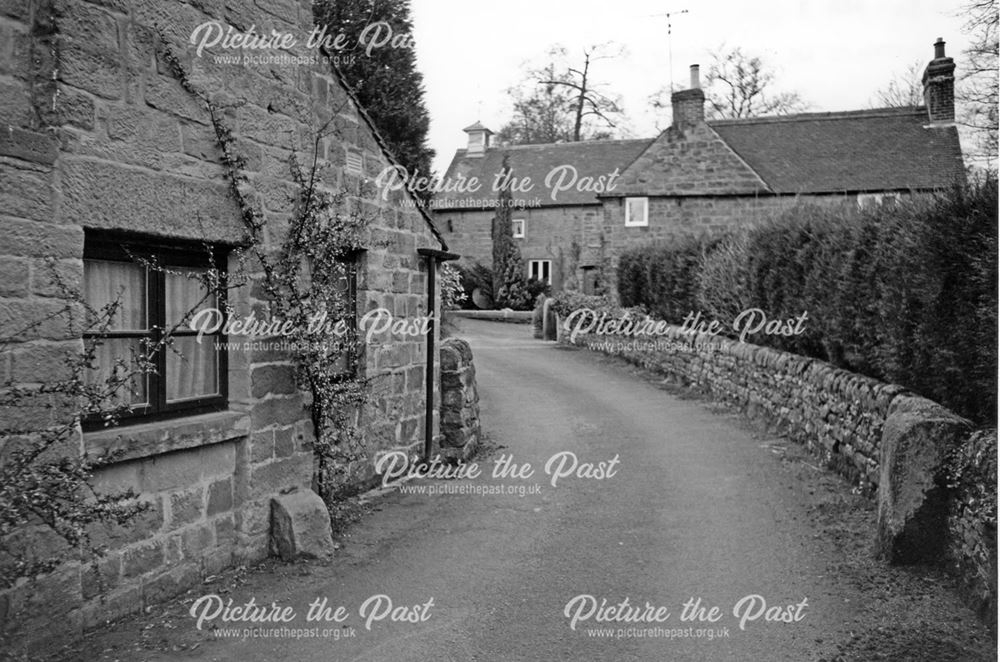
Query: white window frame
517	228
874	200
535	270
641	222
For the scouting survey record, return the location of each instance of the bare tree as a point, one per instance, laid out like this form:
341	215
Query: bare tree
659	101
742	85
541	114
561	102
977	91
586	99
905	89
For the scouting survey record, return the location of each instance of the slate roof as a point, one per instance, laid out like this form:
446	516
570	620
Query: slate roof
883	149
866	150
594	158
478	126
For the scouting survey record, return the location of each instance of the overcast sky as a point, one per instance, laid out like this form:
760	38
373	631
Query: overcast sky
834	53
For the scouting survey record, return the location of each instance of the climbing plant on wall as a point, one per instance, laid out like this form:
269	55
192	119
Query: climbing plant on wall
304	271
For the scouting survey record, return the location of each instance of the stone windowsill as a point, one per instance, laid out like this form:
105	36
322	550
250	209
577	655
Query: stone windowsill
155	438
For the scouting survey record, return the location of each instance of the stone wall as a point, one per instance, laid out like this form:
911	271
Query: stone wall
837	413
972	521
98	134
690	161
935	482
461	431
551	233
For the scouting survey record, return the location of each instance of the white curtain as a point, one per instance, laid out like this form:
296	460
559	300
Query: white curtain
105	282
123	283
184	290
191	368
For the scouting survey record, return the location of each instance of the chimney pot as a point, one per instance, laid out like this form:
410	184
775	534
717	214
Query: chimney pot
695	77
939	48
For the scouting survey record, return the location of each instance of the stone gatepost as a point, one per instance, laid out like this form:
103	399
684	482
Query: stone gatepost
460	428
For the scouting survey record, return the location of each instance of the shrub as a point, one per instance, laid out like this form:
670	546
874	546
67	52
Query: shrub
536	288
662	278
473	277
722	285
791	267
935	270
510	287
452	292
478	276
904	293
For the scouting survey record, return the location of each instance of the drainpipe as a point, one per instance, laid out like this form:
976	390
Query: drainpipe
433	257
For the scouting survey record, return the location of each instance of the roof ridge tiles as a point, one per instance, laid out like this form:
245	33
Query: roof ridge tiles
823	115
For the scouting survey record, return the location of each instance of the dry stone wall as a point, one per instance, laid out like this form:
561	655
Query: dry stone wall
972	520
838	413
934	478
461	430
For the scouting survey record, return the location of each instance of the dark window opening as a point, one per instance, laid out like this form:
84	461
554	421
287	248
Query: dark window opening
154	287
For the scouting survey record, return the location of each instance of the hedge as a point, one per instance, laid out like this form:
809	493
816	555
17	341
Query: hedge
661	279
905	293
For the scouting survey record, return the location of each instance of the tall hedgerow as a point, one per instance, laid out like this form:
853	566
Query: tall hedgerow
662	278
905	292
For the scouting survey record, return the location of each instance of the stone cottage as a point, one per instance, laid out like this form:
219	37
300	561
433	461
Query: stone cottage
703	176
104	156
554	193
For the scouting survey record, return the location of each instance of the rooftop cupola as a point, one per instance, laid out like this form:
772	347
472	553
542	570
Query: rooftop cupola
479	139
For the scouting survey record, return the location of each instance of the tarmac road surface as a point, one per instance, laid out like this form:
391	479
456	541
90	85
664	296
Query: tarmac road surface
657	500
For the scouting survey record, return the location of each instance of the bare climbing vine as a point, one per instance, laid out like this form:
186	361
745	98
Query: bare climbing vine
304	274
48	506
299	272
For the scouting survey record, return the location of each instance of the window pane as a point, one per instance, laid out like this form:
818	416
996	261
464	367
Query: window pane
124	283
116	372
635	213
192	368
185	293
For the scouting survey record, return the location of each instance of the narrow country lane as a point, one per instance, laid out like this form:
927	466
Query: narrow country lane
696	509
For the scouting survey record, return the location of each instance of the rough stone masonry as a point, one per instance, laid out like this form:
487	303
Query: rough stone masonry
461	430
97	134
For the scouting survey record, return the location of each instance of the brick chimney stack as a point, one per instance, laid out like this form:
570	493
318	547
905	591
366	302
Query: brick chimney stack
939	87
689	105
